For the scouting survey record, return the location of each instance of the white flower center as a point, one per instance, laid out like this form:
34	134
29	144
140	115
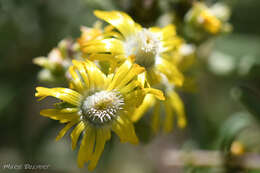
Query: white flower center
101	107
145	46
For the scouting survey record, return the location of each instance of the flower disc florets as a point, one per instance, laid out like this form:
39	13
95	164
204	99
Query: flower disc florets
101	107
145	46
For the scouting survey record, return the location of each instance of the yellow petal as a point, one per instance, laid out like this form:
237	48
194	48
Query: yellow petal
119	20
76	80
171	72
88	34
165	33
113	34
134	99
59	115
117	128
69	110
148	102
99	147
133	72
128	129
120	74
157	93
130	87
87	146
96	76
64	94
155	121
178	106
168	32
168	121
65	129
110	45
76	133
82	71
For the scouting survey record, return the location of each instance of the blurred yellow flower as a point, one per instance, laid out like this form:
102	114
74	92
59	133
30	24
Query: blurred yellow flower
205	19
237	148
96	104
152	48
209	22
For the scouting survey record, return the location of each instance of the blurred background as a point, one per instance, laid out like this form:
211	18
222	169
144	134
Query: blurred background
222	112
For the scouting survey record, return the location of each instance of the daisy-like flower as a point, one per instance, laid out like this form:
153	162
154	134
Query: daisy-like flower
96	104
151	48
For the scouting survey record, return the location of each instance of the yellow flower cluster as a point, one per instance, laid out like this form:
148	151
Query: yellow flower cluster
127	70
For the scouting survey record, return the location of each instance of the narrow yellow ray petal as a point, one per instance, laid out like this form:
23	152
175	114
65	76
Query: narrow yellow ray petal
148	102
113	34
110	45
133	72
76	80
171	71
157	93
65	129
87	146
69	110
64	94
117	128
120	74
76	133
178	106
168	121
130	87
119	20
168	31
100	144
82	71
58	115
134	99
107	133
96	76
129	130
155	118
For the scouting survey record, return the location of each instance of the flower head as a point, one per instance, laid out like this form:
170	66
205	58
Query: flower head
202	21
96	104
150	47
56	64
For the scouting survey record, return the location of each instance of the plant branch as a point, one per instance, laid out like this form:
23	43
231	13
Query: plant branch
201	158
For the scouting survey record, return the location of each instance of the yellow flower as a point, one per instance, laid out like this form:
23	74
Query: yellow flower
96	104
151	48
204	18
237	148
209	22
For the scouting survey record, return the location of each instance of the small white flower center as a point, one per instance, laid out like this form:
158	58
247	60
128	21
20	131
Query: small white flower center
144	46
101	107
